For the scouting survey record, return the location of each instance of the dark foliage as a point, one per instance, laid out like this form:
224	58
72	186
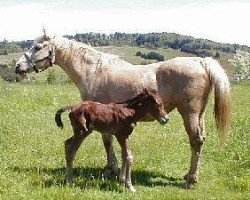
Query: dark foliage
151	56
7	74
9	47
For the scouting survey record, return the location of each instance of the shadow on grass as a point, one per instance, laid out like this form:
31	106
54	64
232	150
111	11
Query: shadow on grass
86	178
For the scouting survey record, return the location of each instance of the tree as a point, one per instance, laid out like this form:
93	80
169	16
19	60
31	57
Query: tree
5	52
138	53
217	55
241	62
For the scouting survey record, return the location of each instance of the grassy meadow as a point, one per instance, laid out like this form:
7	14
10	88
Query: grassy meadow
32	164
32	152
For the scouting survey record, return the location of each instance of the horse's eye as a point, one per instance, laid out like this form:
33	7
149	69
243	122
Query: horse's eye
38	48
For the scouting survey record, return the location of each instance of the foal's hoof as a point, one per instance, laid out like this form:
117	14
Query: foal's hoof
109	172
190	181
185	177
188	185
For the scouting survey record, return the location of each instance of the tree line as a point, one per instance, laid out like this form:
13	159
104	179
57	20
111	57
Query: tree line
199	47
7	47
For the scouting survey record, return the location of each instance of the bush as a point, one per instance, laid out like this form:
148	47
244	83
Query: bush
241	62
8	74
138	53
151	56
51	76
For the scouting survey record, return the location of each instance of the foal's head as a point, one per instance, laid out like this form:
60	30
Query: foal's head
150	102
156	106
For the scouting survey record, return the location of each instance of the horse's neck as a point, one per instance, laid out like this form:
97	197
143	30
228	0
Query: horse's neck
77	60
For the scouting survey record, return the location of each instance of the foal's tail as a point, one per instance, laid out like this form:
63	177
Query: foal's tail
58	118
222	108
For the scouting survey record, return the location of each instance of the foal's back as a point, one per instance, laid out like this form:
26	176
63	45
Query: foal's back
109	118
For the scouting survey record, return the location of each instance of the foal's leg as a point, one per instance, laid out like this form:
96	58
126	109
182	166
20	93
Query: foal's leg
127	160
194	127
71	146
112	167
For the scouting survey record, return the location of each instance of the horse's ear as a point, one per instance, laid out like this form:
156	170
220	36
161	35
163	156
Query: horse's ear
45	36
52	54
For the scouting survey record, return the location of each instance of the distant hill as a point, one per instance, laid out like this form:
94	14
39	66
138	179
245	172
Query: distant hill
188	44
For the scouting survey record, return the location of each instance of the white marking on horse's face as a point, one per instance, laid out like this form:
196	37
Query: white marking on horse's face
22	66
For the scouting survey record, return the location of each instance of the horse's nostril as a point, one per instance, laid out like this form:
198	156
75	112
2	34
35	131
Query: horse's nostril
17	68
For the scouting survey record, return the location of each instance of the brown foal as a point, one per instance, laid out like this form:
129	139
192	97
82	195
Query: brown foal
118	119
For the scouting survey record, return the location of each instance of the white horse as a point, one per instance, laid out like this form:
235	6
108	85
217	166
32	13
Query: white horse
183	83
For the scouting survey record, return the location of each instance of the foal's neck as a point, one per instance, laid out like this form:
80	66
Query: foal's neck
141	110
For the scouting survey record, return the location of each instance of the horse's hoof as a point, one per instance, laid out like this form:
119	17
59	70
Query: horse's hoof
132	189
69	181
122	179
109	172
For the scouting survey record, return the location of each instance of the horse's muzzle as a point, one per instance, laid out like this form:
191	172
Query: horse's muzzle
20	71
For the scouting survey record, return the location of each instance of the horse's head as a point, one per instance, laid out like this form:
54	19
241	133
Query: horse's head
156	106
39	57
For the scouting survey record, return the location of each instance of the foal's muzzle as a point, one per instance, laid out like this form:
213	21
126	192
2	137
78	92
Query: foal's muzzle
164	120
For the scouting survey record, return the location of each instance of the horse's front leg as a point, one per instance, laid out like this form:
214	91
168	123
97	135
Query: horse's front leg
127	160
112	167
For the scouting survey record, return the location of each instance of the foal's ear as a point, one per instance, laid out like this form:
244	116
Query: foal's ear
145	91
153	91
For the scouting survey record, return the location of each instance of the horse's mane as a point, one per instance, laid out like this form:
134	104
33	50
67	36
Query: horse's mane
88	51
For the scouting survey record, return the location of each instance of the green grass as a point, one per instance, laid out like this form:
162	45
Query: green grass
32	164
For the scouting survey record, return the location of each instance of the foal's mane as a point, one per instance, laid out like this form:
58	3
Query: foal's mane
138	98
135	99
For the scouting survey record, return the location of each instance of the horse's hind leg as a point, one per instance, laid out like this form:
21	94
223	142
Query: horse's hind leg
194	126
112	166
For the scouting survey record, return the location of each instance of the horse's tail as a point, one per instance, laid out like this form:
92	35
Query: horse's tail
222	108
58	118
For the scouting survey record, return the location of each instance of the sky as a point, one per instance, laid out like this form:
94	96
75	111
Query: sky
224	21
